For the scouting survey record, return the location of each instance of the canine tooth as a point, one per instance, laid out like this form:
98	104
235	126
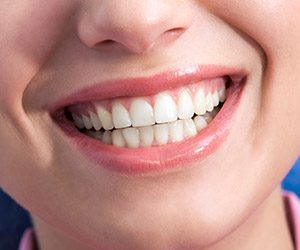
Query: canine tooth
95	121
176	131
208	118
189	128
105	118
165	109
146	136
199	102
215	98
222	94
87	122
209	102
78	121
200	122
120	116
107	137
118	139
185	105
161	133
132	137
141	113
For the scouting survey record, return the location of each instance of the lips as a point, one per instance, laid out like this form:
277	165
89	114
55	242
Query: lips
156	156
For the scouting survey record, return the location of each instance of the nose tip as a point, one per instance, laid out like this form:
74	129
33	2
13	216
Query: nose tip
137	26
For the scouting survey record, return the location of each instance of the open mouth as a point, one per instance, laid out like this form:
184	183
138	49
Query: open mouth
133	132
167	117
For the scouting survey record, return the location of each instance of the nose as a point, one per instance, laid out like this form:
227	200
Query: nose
136	25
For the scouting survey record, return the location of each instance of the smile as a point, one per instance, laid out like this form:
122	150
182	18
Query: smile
145	124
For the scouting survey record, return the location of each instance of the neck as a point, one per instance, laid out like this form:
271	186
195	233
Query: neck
266	228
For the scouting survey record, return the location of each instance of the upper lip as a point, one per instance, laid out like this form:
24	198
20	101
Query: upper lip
144	86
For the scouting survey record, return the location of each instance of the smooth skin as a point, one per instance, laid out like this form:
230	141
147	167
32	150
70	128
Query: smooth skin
231	200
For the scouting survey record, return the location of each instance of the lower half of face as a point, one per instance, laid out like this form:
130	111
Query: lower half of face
166	134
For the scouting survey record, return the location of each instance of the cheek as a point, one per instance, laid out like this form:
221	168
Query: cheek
274	26
29	35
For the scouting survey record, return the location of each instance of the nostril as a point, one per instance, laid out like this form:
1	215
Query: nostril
107	42
172	34
178	30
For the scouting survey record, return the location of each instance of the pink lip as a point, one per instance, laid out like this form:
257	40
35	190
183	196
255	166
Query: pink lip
143	160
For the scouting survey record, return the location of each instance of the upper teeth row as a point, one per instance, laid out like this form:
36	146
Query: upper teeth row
141	113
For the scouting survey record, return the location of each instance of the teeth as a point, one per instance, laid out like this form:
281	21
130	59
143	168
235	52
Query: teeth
185	105
136	127
105	118
200	102
215	98
208	118
141	113
222	95
189	128
87	122
209	102
165	109
95	121
161	134
107	137
176	131
200	122
78	121
131	136
146	136
120	116
118	139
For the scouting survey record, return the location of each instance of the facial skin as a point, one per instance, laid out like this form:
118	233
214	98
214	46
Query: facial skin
49	49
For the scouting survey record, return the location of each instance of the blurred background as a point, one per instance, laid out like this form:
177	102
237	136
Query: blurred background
14	219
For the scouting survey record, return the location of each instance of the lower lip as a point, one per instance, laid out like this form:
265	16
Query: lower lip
169	156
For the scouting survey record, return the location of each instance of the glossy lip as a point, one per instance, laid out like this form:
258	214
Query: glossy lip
169	156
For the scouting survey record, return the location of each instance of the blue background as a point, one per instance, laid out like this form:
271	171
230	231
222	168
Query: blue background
14	219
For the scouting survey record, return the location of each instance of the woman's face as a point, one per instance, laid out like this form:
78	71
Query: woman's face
192	192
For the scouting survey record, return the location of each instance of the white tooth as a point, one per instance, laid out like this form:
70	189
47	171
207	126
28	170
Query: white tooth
78	121
146	136
189	128
185	105
176	131
107	137
222	94
120	116
95	121
118	139
141	113
161	133
87	122
209	102
165	109
132	137
200	122
215	98
95	134
105	118
199	102
208	118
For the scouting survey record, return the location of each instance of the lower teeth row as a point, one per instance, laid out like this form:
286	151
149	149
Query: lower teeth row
159	134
